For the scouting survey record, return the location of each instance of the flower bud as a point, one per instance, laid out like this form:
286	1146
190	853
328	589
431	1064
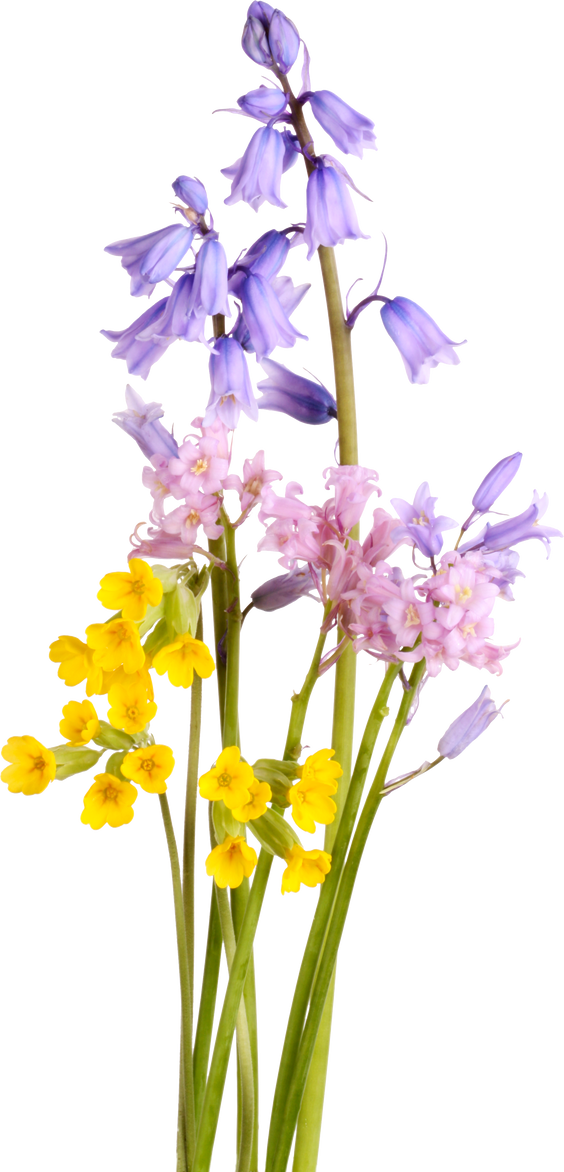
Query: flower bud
255	41
113	738
283	40
274	834
469	725
294	395
71	759
283	589
263	103
495	482
192	192
279	775
224	823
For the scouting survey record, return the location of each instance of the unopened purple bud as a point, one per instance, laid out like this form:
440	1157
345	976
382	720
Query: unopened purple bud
351	132
495	482
261	11
418	338
255	41
263	104
468	726
209	292
302	399
284	41
283	589
192	192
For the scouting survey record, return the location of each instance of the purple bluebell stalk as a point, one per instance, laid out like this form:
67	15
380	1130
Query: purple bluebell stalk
268	324
351	132
468	726
331	217
284	589
264	103
299	397
525	527
140	355
209	291
257	175
420	526
270	38
231	390
418	338
192	192
493	485
141	421
178	319
152	258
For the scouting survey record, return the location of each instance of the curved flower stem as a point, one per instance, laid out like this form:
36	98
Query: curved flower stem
189	846
233	1012
335	930
324	908
300	700
202	1042
185	991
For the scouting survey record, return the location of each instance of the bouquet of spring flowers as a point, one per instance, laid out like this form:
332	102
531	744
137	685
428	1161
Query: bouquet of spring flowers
397	582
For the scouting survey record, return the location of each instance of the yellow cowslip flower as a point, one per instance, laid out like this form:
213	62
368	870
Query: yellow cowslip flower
311	803
131	592
259	794
149	767
182	658
308	867
143	677
80	722
108	800
321	770
231	861
77	664
32	766
130	707
116	644
230	780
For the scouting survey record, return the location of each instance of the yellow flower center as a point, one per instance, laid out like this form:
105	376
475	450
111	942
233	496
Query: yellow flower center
132	712
224	779
138	586
199	467
254	486
110	793
469	630
412	617
122	632
193	517
148	764
422	519
38	763
463	595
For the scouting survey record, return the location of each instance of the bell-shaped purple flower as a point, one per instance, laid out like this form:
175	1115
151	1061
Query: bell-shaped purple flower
493	485
268	324
263	103
418	338
231	390
270	38
178	320
302	399
191	192
152	258
256	176
505	561
139	355
469	725
525	527
267	255
284	589
141	422
331	217
209	291
351	132
420	526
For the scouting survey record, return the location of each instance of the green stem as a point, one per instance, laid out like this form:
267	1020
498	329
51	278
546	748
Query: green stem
323	911
311	1110
301	701
202	1043
335	930
189	848
231	720
239	900
185	991
219	604
233	1009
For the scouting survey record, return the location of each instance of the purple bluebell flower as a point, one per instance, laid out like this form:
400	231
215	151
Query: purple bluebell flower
139	355
264	103
209	291
299	397
192	192
141	422
351	132
292	149
231	390
178	319
288	294
525	527
267	255
152	258
267	322
505	561
418	338
420	526
269	36
468	726
241	333
493	485
331	217
284	589
256	176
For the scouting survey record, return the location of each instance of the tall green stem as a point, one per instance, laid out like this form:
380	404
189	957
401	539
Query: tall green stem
239	900
300	701
335	930
202	1042
231	719
189	847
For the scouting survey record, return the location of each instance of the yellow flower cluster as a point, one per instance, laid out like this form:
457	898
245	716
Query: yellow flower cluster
310	798
109	799
233	782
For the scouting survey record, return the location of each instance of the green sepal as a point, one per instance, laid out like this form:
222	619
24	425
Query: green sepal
274	834
279	775
224	822
158	638
167	576
113	738
182	610
74	759
154	613
113	764
201	582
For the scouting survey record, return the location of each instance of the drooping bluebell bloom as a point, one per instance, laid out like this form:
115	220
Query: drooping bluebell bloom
192	192
469	725
139	355
351	132
268	324
284	589
331	217
299	397
525	527
179	320
141	422
152	258
263	103
209	291
256	176
231	390
420	526
270	38
267	255
418	338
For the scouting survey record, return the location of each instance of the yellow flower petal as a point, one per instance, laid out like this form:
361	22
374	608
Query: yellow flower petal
108	802
231	861
149	767
32	766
